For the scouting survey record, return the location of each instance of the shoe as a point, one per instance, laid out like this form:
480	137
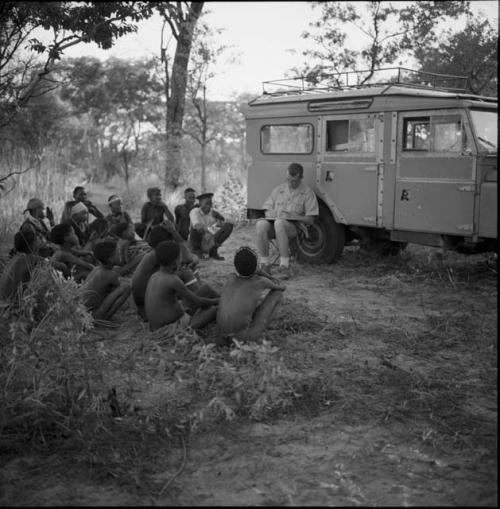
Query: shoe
283	272
215	255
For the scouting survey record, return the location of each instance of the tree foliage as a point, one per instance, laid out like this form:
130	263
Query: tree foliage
472	52
391	30
26	61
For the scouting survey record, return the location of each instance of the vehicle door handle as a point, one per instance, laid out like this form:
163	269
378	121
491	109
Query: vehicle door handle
329	176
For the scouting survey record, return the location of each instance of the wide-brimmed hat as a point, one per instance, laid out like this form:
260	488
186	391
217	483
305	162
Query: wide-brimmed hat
34	203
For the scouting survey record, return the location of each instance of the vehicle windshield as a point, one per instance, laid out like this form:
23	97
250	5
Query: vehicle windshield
485	126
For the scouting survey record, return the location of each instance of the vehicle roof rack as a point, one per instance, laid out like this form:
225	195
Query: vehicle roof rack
351	80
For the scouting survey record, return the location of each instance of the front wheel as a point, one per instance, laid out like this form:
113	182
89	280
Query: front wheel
324	241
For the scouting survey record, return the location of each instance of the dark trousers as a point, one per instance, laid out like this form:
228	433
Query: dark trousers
220	236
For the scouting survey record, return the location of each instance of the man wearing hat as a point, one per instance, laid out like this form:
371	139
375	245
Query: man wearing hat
80	196
117	215
35	220
290	206
208	228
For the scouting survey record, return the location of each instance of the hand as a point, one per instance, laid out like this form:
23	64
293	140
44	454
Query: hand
169	226
50	215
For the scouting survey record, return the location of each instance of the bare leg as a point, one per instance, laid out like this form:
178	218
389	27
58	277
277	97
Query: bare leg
112	302
263	228
262	316
203	317
285	230
207	291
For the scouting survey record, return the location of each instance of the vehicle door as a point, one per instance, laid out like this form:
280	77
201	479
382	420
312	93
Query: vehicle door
351	164
435	176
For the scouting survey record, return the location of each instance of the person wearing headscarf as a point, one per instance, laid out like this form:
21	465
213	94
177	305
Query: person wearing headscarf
79	221
35	220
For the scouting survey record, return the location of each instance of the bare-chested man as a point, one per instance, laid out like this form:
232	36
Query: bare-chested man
103	293
242	312
165	289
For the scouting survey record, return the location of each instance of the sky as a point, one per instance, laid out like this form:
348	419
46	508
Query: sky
264	37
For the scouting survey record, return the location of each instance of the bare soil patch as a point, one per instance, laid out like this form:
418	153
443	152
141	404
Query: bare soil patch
386	394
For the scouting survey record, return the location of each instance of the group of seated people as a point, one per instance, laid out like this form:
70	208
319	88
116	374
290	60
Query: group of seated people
160	253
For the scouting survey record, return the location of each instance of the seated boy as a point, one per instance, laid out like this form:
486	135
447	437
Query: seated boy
130	249
242	312
18	269
162	305
146	267
103	293
64	236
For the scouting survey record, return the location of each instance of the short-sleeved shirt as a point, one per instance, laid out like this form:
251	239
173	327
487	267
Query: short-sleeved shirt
301	201
197	216
154	213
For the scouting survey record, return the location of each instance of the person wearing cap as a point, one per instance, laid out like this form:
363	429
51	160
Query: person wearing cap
290	206
80	196
117	215
182	222
208	228
35	220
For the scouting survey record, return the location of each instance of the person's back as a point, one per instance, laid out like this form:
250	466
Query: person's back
160	302
99	283
16	272
243	310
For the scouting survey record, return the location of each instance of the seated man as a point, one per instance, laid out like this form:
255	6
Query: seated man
182	223
103	293
154	212
165	289
130	249
80	196
289	205
64	237
208	228
117	215
18	269
242	311
39	220
146	267
79	221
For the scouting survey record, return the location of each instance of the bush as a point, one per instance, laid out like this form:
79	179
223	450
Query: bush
47	372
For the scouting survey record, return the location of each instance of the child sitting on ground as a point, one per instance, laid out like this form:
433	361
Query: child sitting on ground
103	293
19	268
130	249
162	305
65	238
242	313
146	267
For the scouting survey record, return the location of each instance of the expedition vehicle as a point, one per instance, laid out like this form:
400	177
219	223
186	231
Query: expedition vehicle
406	160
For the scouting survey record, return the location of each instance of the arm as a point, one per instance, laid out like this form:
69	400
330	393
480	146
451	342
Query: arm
130	266
275	284
75	260
170	227
183	292
167	212
217	216
144	213
94	210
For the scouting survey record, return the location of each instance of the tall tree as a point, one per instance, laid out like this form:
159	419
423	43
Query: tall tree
472	52
201	123
181	18
391	30
69	23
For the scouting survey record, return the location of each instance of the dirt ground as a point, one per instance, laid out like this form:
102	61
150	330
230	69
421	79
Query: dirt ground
403	351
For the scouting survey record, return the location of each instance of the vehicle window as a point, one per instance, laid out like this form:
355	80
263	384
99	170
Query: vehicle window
417	134
435	134
286	139
355	135
486	128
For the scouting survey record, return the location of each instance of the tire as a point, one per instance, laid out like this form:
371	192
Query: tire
325	241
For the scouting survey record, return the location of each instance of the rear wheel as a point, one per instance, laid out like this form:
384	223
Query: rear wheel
325	240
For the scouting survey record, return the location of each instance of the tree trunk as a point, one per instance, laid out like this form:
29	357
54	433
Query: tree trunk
177	96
